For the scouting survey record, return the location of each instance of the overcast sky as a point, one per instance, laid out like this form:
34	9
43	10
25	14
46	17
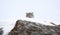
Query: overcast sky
44	10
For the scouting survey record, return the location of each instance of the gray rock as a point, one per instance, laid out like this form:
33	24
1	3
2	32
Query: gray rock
23	27
1	31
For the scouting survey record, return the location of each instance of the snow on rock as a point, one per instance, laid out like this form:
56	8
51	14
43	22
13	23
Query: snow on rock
8	24
24	27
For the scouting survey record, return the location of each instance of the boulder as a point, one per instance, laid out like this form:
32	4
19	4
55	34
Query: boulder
1	31
23	27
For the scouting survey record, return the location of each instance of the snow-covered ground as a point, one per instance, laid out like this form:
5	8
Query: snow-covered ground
8	24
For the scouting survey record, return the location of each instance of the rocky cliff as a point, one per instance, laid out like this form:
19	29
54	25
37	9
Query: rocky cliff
23	27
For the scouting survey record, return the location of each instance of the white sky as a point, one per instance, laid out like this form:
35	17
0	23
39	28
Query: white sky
44	10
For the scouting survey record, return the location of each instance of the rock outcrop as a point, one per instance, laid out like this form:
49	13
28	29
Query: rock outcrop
23	27
1	31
